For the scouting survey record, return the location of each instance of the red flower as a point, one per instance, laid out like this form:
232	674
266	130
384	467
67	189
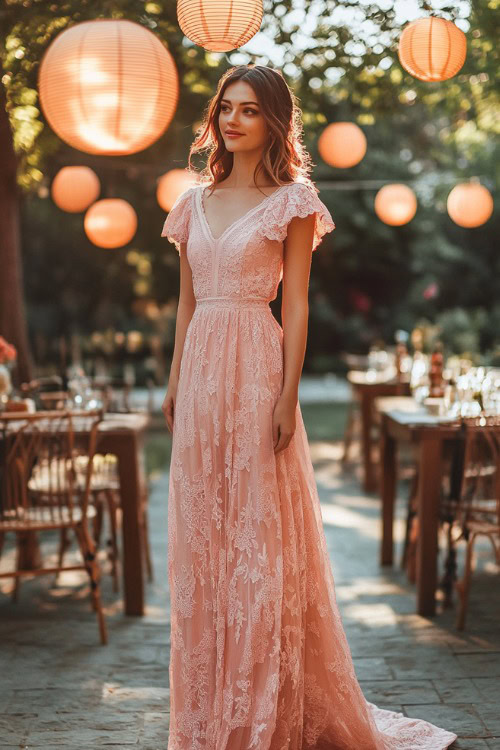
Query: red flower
7	352
360	301
431	291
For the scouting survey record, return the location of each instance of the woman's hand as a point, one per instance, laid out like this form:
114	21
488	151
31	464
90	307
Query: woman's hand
283	422
168	405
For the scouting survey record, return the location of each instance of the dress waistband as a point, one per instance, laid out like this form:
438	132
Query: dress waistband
240	302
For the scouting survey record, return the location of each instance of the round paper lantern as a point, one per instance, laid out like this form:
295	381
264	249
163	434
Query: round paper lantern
470	204
171	185
432	49
395	204
220	25
74	189
108	87
342	144
111	222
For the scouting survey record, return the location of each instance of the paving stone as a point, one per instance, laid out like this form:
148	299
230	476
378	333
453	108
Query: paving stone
407	692
424	666
53	699
143	698
490	714
15	726
457	691
489	689
155	733
372	668
480	665
60	689
461	719
87	730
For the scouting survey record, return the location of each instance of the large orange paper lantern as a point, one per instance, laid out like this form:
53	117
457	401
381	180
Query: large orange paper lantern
470	204
75	188
395	204
432	49
171	185
342	144
108	87
111	222
220	25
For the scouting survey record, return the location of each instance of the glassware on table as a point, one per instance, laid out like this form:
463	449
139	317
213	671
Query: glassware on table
419	377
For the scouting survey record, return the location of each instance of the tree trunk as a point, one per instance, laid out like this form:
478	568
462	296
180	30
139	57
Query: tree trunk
13	324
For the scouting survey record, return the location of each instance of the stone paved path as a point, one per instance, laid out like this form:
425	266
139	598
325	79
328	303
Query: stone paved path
60	689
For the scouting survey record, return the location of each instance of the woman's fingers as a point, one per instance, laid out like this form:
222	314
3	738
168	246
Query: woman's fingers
275	435
283	442
168	412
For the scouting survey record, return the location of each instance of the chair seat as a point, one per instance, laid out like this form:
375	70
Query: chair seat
54	476
40	518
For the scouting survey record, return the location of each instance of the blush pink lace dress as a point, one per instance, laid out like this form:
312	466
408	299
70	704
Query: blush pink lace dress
259	659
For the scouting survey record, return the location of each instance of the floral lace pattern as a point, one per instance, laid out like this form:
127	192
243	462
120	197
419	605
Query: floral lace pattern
259	658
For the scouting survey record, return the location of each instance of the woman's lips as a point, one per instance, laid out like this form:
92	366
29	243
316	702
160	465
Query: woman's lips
234	135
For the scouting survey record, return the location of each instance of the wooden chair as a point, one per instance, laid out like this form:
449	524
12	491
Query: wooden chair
42	488
478	510
105	489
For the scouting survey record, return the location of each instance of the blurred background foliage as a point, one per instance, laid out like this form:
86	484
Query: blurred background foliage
367	279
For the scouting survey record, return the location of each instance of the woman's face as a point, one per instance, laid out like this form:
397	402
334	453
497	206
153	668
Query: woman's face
241	112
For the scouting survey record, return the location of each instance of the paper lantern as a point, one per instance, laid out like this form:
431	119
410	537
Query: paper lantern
74	189
470	204
432	49
171	185
395	204
111	222
220	25
108	87
342	144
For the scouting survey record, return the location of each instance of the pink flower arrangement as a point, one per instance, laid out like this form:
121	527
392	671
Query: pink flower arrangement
8	353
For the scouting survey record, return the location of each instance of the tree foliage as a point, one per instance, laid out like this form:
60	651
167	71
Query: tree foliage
341	61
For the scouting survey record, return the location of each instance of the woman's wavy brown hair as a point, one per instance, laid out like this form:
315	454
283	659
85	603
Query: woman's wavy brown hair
284	158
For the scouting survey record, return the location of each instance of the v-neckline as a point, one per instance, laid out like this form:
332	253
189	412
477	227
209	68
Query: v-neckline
236	221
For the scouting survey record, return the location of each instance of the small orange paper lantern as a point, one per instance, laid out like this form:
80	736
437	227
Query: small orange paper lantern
111	222
171	185
74	189
342	144
395	204
470	204
108	87
220	25
432	49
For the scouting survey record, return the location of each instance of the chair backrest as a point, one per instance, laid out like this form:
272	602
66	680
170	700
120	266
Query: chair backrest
46	467
118	395
480	486
44	383
52	400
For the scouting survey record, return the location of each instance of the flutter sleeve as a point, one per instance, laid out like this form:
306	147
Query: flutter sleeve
176	226
298	200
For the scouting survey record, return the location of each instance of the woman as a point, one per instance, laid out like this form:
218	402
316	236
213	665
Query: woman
259	658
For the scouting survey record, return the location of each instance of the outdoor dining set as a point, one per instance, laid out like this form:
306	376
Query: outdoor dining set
448	445
72	467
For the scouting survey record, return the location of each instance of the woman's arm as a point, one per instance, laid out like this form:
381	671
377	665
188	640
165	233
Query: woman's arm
294	314
185	310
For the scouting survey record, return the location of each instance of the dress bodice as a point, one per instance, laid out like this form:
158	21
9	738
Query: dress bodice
246	261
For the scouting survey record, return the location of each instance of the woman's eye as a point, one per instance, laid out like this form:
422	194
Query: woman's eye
224	107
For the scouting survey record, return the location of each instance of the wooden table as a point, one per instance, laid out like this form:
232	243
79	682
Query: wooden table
123	435
402	419
368	386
